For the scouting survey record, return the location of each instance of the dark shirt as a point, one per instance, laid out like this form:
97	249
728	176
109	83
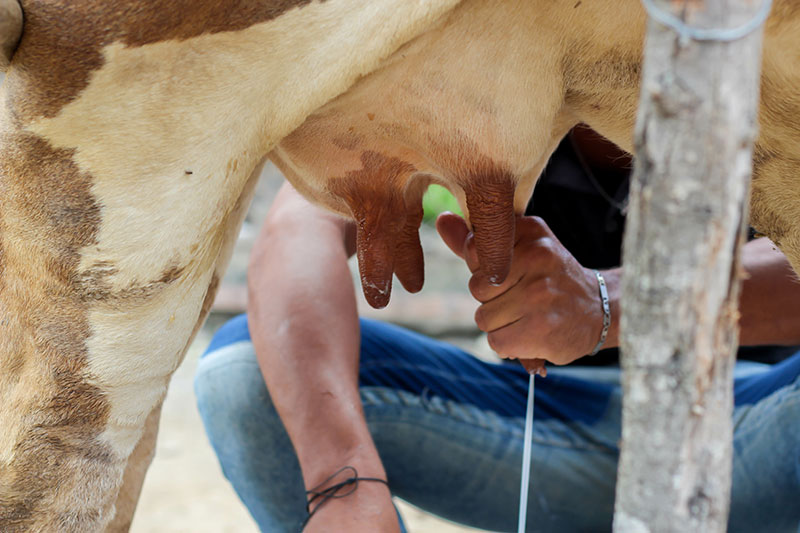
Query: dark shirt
585	212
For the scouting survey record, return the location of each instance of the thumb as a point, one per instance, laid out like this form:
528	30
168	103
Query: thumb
454	232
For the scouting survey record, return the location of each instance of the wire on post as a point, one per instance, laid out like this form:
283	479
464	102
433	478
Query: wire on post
687	32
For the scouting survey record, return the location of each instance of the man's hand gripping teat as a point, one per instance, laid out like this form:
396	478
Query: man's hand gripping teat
547	308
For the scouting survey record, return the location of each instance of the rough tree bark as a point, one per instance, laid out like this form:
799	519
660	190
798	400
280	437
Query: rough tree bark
689	193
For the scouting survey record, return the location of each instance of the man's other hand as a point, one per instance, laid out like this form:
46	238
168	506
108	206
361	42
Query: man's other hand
548	307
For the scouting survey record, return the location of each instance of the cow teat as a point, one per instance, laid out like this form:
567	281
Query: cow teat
385	199
387	215
409	264
10	30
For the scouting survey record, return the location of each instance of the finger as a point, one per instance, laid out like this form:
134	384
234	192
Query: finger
513	341
536	256
409	263
533	260
491	212
501	311
453	230
484	292
524	340
470	253
461	241
533	226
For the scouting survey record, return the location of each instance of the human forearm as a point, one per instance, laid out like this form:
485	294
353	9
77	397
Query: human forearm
770	297
304	326
769	304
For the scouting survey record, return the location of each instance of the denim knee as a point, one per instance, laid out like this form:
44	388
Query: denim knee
251	444
233	401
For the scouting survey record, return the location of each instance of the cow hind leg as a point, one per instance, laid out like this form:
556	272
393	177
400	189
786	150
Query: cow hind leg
132	481
93	326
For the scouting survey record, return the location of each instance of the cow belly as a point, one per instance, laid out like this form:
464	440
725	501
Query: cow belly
446	109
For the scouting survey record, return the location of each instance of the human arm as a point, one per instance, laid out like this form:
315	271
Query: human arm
769	305
304	326
549	306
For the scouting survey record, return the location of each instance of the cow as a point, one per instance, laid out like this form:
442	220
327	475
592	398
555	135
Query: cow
131	135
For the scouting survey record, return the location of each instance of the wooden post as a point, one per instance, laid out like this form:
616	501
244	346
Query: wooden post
680	290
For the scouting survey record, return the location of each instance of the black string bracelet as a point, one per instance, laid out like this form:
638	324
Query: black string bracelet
338	490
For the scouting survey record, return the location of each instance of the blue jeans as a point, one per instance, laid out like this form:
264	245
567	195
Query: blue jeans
449	428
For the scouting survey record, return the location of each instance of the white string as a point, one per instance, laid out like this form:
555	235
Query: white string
526	460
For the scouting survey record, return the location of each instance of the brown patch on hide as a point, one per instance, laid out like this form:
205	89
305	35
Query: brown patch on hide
171	274
63	39
375	196
47	214
93	284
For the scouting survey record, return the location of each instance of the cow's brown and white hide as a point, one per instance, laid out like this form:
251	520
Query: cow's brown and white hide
10	30
130	135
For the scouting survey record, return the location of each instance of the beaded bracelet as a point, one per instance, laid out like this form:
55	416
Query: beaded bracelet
606	311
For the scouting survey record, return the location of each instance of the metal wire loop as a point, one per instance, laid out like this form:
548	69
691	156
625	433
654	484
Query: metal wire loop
687	32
